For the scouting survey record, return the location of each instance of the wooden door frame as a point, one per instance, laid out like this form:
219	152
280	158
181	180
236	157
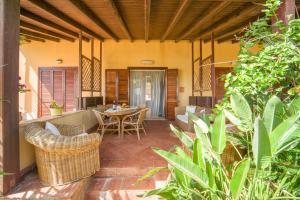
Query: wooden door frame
53	68
165	69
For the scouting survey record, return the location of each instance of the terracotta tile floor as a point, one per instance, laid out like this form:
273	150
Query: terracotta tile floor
123	162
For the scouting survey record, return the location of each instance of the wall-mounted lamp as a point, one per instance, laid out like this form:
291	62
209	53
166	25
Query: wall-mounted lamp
59	61
147	62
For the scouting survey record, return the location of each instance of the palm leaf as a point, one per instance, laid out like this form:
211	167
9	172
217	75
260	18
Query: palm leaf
202	125
239	177
294	106
241	109
273	113
185	139
198	157
261	146
218	138
289	129
186	166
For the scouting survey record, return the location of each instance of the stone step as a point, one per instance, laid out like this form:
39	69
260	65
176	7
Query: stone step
123	171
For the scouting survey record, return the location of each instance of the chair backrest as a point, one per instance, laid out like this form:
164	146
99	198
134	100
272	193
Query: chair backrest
142	115
101	108
100	116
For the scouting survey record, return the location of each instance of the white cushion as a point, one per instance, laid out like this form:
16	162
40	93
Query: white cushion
191	109
183	118
83	134
50	127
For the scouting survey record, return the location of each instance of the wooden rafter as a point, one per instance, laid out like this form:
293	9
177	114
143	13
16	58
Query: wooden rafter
219	37
178	14
52	10
34	38
121	21
38	35
49	23
212	13
92	16
229	20
226	38
43	30
147	9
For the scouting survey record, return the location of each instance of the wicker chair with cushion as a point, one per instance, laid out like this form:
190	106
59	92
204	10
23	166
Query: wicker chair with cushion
64	158
183	121
134	122
107	123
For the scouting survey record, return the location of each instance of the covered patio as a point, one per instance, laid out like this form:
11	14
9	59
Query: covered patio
165	55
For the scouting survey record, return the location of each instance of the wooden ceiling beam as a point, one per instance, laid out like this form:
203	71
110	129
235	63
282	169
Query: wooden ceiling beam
210	15
178	14
233	29
147	10
33	38
121	21
52	10
38	35
92	16
42	30
228	37
48	23
229	20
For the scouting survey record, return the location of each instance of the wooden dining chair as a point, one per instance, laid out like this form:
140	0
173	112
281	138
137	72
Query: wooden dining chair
134	122
107	124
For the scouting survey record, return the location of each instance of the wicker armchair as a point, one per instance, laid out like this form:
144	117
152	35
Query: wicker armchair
64	158
134	122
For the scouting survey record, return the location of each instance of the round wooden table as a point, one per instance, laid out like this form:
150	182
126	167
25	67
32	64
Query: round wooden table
120	113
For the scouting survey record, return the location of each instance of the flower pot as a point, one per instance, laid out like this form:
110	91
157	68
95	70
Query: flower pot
56	111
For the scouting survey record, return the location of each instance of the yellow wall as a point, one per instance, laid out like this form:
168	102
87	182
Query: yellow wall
116	55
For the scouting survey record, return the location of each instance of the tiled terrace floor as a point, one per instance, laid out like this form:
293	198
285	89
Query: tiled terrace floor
123	161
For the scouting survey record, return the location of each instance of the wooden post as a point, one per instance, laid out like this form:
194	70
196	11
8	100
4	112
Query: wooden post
285	12
80	73
92	67
212	68
192	68
9	103
101	69
200	67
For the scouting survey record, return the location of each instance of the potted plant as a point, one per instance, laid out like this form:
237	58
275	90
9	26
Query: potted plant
55	109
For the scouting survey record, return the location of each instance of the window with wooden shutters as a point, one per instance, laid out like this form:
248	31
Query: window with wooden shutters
172	92
59	84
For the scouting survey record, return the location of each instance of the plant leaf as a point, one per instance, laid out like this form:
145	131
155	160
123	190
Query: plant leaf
273	113
232	118
198	156
218	138
185	139
289	129
185	166
294	106
239	177
261	146
202	125
241	109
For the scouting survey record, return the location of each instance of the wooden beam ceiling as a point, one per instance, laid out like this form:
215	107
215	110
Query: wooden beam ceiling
121	21
34	38
49	23
211	14
232	29
92	16
147	9
178	14
226	38
42	30
52	10
38	35
228	21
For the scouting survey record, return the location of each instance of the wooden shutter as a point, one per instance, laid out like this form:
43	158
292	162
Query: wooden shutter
219	72
116	83
123	86
172	90
59	84
45	92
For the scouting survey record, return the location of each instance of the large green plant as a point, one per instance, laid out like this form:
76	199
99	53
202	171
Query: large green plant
274	67
204	176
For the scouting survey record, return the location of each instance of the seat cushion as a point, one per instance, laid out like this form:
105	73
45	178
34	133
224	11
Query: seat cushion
191	109
183	118
50	127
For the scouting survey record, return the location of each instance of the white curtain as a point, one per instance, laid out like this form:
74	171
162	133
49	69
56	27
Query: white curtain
147	88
